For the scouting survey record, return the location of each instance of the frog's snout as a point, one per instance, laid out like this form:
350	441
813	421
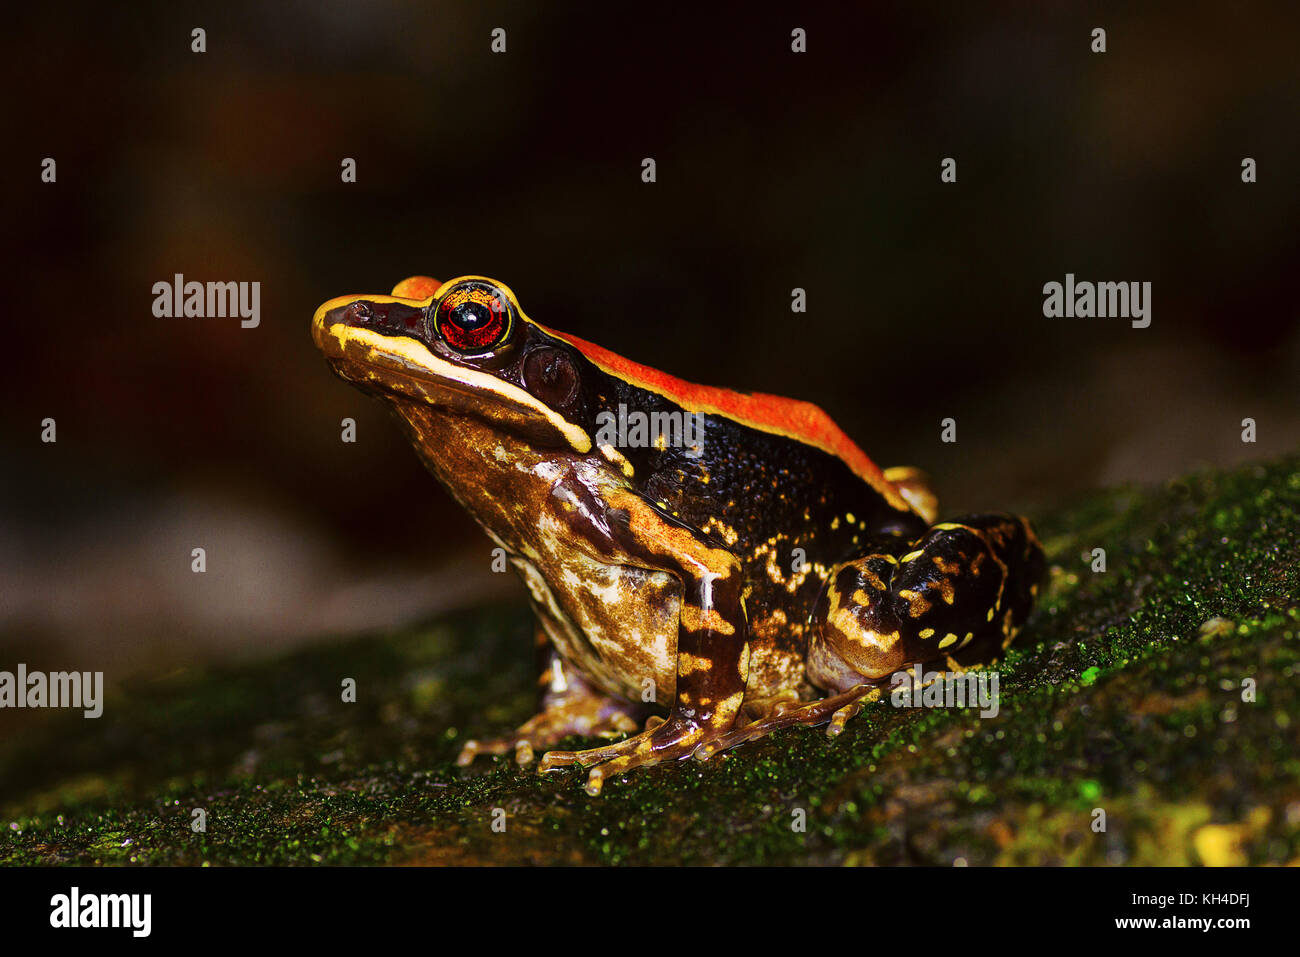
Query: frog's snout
386	318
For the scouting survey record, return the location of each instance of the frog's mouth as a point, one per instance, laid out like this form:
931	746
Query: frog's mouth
384	356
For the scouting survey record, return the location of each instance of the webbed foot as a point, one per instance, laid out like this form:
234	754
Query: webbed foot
666	741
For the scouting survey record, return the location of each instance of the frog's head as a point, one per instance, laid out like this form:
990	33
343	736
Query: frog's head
464	347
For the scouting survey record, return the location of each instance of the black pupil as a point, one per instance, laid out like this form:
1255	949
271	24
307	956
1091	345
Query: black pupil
471	316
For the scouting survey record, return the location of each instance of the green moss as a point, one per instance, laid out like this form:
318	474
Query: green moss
1129	696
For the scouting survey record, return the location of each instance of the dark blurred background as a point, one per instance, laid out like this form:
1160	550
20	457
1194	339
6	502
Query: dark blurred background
775	170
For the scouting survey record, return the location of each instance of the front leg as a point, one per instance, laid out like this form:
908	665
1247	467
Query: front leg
712	645
570	706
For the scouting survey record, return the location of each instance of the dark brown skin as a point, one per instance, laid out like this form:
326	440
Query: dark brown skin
738	584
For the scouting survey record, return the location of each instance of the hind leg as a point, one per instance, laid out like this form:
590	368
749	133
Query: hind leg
962	589
958	593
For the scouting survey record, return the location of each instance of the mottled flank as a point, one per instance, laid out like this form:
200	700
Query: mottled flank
1124	692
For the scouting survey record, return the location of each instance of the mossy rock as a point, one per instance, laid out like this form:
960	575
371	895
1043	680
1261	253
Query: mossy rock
1127	694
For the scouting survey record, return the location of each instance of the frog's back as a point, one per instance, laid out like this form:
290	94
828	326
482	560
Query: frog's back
792	419
764	496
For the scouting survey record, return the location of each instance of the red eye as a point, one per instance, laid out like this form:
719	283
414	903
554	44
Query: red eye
473	318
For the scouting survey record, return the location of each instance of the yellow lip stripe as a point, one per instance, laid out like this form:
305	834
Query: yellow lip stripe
382	350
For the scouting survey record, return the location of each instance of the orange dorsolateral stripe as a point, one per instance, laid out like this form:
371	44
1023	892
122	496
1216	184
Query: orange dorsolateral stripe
798	420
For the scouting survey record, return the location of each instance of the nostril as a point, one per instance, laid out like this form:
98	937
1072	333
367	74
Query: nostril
385	318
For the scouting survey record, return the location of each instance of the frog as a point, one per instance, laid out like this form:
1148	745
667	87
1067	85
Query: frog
688	596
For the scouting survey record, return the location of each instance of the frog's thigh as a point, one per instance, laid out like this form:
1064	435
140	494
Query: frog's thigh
963	587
